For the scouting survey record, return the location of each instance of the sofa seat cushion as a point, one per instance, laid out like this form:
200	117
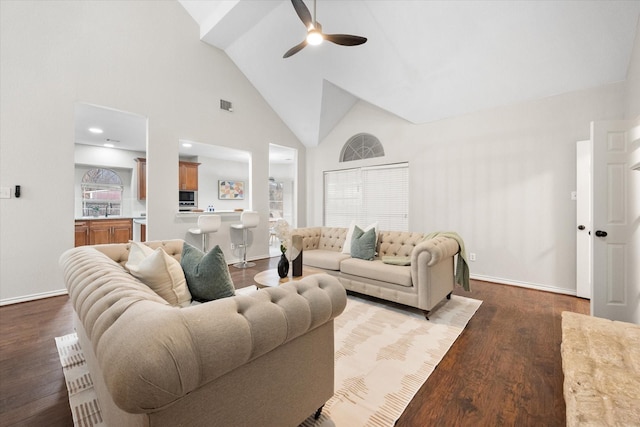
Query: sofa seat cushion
377	270
323	258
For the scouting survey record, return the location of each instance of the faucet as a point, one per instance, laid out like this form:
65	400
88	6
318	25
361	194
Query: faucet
106	210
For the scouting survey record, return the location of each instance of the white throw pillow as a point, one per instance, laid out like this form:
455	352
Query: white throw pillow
161	272
346	248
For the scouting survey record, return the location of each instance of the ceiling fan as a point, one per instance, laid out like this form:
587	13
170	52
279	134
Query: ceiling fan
315	35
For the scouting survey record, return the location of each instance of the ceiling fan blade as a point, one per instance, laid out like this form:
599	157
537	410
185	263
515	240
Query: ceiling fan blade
297	48
303	13
345	39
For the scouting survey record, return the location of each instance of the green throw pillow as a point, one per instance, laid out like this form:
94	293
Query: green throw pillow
207	274
363	243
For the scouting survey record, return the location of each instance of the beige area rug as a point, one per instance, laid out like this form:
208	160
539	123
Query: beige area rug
384	353
82	397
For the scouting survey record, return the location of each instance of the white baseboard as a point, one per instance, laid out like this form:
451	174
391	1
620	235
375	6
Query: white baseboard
536	286
32	297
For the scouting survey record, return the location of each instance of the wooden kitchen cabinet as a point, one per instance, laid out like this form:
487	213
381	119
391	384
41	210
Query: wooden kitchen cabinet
102	231
82	233
142	178
188	176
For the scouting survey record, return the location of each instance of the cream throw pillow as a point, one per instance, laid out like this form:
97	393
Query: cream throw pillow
161	272
346	248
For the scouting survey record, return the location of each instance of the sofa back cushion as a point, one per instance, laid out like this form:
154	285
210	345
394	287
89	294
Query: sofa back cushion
119	252
389	243
397	243
332	238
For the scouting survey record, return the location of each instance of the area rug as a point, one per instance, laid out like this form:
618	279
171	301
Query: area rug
82	397
384	353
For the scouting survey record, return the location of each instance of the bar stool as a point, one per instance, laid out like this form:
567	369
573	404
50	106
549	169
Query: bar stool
206	224
248	219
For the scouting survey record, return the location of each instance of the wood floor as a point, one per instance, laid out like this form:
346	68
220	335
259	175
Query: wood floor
504	369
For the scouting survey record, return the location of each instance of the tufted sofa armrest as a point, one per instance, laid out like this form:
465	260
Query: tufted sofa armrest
434	250
310	237
153	354
325	238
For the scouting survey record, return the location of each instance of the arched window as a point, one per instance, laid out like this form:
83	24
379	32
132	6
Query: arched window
361	146
101	192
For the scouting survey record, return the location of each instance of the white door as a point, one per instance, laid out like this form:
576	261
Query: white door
583	218
612	226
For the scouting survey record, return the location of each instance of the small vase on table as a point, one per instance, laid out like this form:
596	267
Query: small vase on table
283	266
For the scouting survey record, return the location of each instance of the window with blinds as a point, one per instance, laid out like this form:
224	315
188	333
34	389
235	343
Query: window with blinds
366	195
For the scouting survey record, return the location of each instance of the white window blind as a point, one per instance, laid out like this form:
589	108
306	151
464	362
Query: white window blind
368	194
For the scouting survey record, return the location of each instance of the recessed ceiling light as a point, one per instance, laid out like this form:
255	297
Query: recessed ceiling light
187	145
109	145
95	130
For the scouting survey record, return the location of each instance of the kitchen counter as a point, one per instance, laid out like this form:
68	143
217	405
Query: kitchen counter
195	215
97	218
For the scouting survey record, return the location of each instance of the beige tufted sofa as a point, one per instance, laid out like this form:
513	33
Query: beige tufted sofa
423	284
260	359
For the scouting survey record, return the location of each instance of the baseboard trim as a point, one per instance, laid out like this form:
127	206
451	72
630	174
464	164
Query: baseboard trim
535	286
33	297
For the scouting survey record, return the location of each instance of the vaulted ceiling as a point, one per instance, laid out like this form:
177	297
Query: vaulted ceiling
424	60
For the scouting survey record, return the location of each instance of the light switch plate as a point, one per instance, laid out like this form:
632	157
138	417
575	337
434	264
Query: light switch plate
5	192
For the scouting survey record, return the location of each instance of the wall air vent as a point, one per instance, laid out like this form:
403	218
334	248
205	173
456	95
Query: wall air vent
226	105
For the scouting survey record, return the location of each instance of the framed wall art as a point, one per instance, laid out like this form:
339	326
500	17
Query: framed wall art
230	190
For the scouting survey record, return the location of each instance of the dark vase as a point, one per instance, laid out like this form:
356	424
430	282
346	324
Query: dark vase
283	266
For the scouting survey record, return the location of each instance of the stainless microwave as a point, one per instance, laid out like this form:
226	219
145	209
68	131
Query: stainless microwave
187	200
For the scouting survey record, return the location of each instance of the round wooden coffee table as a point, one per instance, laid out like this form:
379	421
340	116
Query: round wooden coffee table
270	277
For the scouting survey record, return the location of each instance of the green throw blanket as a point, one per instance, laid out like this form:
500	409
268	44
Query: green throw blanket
462	267
396	260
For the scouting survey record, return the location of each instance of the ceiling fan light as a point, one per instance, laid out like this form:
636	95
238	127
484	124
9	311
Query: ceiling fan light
314	38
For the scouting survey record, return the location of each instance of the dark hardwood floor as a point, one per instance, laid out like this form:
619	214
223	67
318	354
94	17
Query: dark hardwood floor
504	369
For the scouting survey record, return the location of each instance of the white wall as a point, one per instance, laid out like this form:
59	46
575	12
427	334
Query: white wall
633	112
501	178
633	80
213	170
138	56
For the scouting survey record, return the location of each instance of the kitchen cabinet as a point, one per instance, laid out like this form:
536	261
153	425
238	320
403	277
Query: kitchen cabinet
142	178
82	233
188	176
102	231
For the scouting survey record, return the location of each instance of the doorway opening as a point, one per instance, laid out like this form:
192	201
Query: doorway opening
282	191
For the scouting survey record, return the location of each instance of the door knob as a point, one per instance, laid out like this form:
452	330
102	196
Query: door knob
601	233
581	227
